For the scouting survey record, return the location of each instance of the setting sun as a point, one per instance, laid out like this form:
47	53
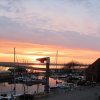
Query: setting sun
30	52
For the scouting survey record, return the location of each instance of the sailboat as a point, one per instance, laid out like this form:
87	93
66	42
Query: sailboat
55	75
56	61
56	67
12	95
6	96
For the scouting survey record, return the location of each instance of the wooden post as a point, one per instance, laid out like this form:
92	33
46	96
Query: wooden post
47	59
47	75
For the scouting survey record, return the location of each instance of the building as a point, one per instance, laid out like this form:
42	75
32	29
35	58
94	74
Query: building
93	71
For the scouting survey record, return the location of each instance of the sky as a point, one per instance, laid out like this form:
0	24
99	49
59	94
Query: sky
38	28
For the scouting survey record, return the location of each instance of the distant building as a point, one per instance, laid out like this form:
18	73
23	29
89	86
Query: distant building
93	71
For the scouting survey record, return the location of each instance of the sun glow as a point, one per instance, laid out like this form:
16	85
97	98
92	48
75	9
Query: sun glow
28	52
36	57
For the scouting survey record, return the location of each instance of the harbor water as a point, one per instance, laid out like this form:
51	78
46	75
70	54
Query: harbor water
7	87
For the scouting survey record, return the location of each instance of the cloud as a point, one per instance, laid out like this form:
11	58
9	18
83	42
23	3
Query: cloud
66	23
10	5
11	30
66	15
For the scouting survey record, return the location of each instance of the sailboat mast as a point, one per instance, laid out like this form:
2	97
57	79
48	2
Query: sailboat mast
56	60
14	72
14	56
56	65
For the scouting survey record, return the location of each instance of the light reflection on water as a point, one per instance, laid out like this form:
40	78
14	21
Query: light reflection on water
7	88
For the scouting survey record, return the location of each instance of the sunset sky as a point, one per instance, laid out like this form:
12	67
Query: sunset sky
38	28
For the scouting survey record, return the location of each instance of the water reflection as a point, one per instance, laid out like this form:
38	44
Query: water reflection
7	88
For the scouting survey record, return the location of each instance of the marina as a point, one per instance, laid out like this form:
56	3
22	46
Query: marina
18	84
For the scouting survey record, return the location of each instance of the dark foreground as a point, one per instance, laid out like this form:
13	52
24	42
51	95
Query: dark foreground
80	93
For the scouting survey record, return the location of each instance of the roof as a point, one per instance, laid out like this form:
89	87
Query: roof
96	63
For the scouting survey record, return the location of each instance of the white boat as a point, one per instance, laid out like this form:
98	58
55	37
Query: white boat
6	97
65	85
53	87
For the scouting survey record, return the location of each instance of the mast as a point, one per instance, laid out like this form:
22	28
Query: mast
56	60
56	66
14	72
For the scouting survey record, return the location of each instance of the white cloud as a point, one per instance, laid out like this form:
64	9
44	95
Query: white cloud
65	15
60	23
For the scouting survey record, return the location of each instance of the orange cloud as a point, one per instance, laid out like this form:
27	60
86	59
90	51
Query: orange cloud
29	52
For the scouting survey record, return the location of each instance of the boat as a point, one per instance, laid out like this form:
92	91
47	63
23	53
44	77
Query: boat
53	87
63	76
12	95
65	85
5	96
